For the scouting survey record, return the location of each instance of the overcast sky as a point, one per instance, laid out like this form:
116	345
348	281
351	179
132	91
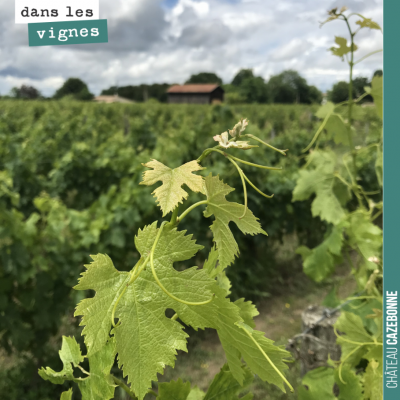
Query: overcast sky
156	41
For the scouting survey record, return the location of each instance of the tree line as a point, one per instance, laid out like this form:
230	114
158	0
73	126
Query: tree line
288	87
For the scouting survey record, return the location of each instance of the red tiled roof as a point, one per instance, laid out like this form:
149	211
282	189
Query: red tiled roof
192	88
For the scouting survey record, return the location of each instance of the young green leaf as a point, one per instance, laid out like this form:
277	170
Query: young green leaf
354	340
368	23
319	262
70	353
321	181
318	385
196	394
225	387
99	385
225	212
108	283
173	390
366	236
352	388
343	48
373	381
247	311
66	395
325	109
337	129
146	339
170	193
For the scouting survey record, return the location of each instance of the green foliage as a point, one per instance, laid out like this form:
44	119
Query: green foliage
69	187
144	338
343	49
170	193
318	385
223	387
204	77
289	87
74	87
140	93
343	199
225	212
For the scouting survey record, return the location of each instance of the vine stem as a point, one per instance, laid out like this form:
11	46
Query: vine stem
369	54
268	359
134	276
187	211
350	106
125	387
241	174
153	270
266	144
256	188
321	127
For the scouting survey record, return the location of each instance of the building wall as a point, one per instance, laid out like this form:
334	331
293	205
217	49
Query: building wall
189	98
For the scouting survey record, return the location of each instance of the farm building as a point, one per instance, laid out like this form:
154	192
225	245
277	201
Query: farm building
111	99
196	94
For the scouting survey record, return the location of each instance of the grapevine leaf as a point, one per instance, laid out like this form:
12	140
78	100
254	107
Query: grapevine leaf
326	205
66	395
237	343
366	236
377	94
343	48
368	23
225	212
379	166
318	384
70	353
337	129
99	385
247	311
224	282
146	339
223	315
108	283
170	193
373	380
352	388
196	394
325	110
319	262
173	390
225	387
351	328
210	265
321	181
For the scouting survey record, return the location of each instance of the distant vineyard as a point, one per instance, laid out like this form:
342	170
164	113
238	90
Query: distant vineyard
69	175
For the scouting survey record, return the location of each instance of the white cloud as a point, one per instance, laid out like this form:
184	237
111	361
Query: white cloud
149	42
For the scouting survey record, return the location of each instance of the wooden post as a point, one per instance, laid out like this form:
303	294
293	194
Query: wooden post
318	339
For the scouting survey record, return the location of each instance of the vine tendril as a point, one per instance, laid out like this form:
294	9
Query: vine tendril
189	303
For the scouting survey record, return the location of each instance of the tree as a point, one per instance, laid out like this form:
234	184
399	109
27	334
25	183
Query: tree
140	93
339	92
205	77
75	87
289	87
241	76
358	85
378	72
25	92
248	88
254	90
